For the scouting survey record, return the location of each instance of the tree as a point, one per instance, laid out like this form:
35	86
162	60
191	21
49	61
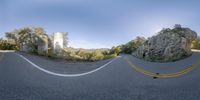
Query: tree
133	45
97	55
6	45
25	36
139	41
115	50
13	36
196	43
31	37
39	31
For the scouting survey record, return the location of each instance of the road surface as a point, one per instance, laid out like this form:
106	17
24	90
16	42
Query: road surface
118	80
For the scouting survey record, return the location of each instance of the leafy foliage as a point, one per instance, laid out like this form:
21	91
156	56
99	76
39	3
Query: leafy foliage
31	37
196	44
115	50
6	45
131	46
85	54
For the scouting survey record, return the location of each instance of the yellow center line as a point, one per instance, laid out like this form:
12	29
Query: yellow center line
162	75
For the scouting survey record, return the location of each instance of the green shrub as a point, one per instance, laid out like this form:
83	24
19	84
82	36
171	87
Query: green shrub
115	50
131	46
86	54
97	55
196	44
6	45
110	56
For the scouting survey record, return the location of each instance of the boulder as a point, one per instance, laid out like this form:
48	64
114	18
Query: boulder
167	45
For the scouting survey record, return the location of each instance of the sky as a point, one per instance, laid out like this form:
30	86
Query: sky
99	23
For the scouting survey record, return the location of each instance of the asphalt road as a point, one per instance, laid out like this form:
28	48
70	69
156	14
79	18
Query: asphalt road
19	80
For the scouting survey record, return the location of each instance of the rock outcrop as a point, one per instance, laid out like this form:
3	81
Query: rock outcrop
167	45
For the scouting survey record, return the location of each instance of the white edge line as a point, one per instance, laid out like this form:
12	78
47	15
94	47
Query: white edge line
64	75
7	51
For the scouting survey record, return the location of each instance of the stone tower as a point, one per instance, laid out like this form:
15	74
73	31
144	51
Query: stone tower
58	42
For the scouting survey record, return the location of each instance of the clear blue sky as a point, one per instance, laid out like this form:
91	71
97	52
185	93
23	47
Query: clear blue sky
99	23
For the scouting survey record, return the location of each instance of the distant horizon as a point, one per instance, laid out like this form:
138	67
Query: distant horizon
99	23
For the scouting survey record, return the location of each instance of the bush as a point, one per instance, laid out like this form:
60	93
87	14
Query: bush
6	45
86	54
196	44
97	55
131	46
115	50
110	56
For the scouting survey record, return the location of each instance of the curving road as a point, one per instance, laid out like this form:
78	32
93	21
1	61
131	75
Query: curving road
20	80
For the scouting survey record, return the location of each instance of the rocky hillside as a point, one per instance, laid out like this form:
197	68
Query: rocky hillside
167	45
